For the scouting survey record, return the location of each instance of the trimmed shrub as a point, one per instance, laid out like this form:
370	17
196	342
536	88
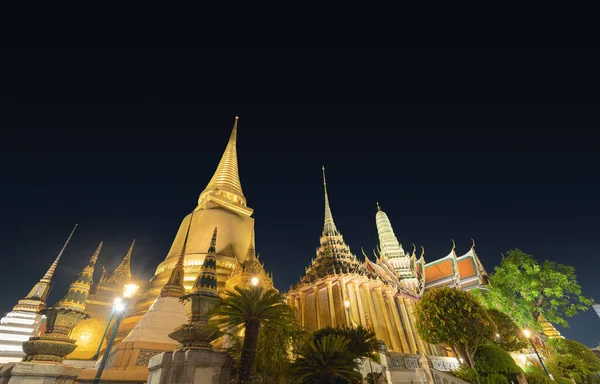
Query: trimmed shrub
495	378
562	380
490	359
538	378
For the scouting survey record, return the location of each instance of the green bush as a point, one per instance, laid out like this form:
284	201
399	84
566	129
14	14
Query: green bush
465	373
562	380
490	359
495	378
538	378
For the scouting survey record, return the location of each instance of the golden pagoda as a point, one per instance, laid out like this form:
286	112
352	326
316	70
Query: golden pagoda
221	204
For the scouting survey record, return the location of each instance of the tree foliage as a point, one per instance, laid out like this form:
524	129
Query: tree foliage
526	289
454	318
363	342
326	360
252	310
572	359
320	361
508	334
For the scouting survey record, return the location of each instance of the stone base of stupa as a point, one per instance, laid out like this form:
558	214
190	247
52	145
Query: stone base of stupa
127	362
38	373
190	367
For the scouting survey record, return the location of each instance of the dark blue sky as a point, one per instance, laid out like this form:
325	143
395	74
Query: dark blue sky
507	159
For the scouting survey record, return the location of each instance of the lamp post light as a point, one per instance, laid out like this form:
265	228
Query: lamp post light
129	290
254	281
527	334
347	305
117	307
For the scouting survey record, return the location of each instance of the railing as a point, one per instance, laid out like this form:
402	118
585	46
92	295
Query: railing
446	378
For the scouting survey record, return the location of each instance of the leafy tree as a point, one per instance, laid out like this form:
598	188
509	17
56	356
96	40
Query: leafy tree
508	334
572	359
526	289
454	318
275	351
326	360
363	342
252	310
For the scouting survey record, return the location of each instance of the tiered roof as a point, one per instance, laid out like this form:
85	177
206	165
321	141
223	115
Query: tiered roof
333	256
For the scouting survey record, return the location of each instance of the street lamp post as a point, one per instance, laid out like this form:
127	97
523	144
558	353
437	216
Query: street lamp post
527	334
128	292
117	307
254	281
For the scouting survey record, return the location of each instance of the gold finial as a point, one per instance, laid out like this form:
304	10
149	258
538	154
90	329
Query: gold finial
226	177
473	240
414	249
422	251
453	245
324	180
378	207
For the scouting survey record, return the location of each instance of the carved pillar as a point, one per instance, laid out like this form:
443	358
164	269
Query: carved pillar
359	303
317	306
331	307
302	301
410	331
399	329
344	298
367	293
386	319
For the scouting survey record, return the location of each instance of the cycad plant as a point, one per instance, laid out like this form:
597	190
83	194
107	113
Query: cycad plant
251	310
326	360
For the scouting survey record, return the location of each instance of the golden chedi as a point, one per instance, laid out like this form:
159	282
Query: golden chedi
221	204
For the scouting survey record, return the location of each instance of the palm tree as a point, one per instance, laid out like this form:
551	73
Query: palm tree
251	309
326	360
363	343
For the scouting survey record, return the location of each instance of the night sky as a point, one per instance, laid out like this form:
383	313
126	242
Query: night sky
510	160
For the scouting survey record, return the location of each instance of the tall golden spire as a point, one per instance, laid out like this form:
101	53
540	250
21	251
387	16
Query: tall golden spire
226	178
174	287
36	299
329	226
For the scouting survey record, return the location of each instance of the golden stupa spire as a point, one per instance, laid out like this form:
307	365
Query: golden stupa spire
226	178
36	299
174	287
329	226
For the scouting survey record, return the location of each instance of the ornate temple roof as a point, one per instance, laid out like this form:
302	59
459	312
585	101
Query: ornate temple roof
206	283
226	178
36	299
122	273
78	291
174	287
333	256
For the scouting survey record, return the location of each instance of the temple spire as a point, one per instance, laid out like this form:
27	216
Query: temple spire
226	178
36	299
329	226
122	273
206	283
78	291
50	272
174	287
